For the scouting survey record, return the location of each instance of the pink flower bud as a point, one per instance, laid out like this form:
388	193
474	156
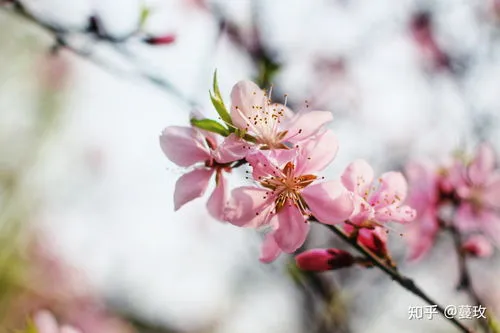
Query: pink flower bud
324	259
160	40
478	246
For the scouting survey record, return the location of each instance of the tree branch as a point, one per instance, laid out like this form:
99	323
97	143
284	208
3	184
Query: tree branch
61	40
402	280
465	281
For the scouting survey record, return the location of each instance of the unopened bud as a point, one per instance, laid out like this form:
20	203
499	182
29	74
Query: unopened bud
478	246
324	259
160	40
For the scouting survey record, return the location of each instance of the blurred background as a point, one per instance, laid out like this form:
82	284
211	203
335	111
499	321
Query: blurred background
86	195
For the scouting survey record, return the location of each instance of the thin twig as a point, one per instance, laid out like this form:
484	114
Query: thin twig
61	38
402	280
465	281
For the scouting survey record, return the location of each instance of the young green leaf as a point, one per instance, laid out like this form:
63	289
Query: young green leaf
218	102
211	126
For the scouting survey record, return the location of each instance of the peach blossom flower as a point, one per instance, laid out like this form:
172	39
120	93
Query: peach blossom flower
480	195
186	147
288	194
376	202
272	125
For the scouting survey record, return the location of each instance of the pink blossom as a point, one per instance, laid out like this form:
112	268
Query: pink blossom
376	202
160	40
45	322
424	197
374	239
287	196
480	193
187	147
478	246
324	259
272	125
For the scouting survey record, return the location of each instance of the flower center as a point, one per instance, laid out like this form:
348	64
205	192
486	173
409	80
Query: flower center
287	186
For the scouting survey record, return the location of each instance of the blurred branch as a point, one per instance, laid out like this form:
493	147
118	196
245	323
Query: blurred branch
402	280
465	281
61	38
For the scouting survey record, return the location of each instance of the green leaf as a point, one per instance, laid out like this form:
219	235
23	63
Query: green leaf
145	14
218	102
30	327
211	126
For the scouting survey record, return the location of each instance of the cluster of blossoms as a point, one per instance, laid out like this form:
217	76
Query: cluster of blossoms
463	194
286	152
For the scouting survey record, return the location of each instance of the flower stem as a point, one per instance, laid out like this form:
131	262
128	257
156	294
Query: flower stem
465	282
403	281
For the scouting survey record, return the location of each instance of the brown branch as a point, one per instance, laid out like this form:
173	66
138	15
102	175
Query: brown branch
61	41
402	280
465	281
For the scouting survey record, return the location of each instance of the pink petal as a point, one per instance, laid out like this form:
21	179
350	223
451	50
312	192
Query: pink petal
190	186
362	210
292	230
481	167
491	194
423	185
307	123
392	190
233	148
478	246
69	329
45	322
264	165
395	213
218	199
316	153
329	202
319	260
249	207
465	218
184	146
270	250
246	96
375	240
357	176
489	222
421	235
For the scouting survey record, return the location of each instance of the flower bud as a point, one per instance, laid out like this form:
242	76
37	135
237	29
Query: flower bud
478	246
323	259
160	40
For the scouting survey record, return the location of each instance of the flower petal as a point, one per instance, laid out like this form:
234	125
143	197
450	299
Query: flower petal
329	202
270	249
264	165
316	153
233	148
490	224
395	213
482	165
218	199
292	230
69	329
184	146
478	246
392	190
491	194
190	186
45	322
249	207
357	176
421	235
306	123
465	218
246	100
